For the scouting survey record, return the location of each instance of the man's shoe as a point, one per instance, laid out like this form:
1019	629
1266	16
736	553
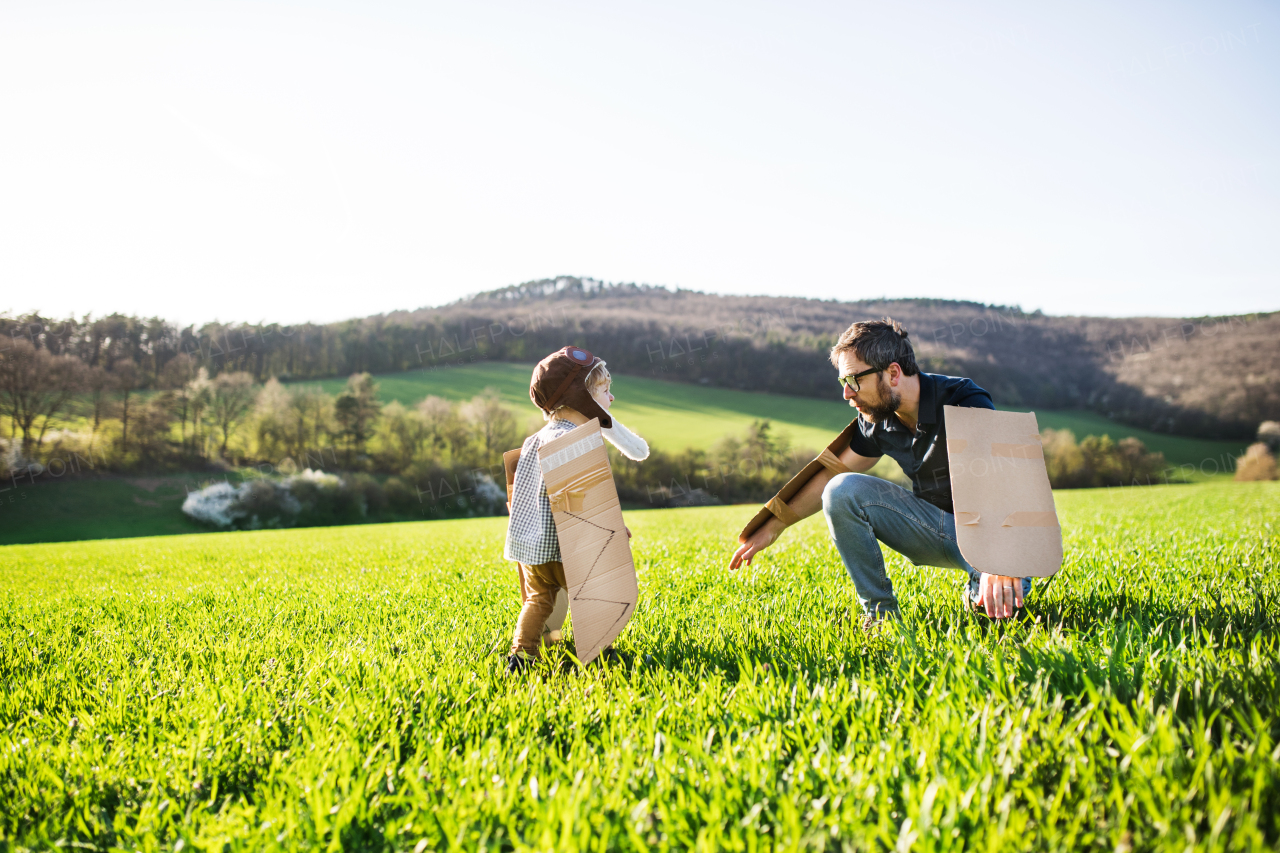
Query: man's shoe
874	623
972	603
518	663
611	656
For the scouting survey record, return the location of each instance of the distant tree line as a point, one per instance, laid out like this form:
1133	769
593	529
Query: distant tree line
1213	377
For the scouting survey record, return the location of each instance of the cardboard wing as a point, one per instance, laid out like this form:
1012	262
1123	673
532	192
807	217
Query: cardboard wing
593	540
1006	523
510	460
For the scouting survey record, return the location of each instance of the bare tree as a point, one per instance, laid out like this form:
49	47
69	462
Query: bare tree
99	384
271	416
199	392
493	422
34	386
127	380
443	426
403	432
310	410
233	395
152	424
176	376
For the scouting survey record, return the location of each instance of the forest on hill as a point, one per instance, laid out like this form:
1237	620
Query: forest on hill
1213	377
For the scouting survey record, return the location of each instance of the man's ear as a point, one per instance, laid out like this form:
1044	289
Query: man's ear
895	373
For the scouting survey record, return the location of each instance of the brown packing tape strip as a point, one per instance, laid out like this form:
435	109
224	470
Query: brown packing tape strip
832	462
1018	451
967	517
957	445
1031	519
782	512
569	497
796	483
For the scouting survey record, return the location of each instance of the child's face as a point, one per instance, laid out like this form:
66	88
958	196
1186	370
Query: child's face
603	397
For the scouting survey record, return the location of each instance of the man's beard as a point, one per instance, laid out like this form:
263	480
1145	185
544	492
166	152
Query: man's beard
890	400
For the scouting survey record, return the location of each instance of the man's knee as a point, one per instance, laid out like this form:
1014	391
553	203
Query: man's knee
848	490
833	490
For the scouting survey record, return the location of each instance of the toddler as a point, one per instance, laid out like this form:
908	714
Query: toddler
570	387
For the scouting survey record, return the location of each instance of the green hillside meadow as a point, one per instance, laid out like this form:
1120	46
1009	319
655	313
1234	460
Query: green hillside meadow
675	415
343	688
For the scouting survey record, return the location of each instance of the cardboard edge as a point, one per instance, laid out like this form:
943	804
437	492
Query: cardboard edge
510	460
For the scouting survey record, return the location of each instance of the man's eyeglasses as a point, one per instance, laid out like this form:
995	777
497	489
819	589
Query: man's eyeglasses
846	381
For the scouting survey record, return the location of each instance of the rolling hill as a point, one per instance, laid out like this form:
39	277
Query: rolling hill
1206	377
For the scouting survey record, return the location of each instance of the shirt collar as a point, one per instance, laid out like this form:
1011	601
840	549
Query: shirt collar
891	424
557	423
928	413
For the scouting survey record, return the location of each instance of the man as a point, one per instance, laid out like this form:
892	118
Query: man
899	413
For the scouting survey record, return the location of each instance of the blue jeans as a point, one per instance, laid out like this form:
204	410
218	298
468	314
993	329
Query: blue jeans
861	509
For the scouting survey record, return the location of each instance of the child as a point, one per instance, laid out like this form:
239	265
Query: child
570	386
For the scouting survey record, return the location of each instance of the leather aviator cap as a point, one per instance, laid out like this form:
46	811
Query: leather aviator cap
560	379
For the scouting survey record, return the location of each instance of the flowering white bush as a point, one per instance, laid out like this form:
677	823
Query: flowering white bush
489	494
315	498
312	497
320	478
213	505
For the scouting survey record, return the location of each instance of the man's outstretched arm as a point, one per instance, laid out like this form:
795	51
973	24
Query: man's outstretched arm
805	503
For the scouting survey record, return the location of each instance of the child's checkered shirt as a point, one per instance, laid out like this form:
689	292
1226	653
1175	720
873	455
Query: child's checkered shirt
531	530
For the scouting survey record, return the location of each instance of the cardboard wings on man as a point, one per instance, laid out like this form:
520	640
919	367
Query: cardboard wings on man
1006	522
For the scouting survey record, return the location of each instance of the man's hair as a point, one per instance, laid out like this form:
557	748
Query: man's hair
879	343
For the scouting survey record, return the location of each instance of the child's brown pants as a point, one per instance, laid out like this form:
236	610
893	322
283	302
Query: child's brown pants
538	587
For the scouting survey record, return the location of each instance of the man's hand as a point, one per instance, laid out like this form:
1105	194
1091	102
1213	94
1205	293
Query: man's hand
757	542
999	595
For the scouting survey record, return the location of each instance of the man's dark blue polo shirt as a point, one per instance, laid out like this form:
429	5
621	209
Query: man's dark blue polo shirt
922	454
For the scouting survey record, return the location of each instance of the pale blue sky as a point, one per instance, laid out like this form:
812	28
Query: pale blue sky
319	161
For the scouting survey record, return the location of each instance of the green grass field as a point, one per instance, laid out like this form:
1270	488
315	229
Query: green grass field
674	415
343	688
